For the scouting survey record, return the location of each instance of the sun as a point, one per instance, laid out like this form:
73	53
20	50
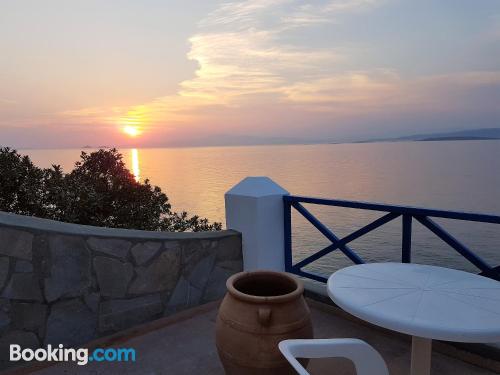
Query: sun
132	131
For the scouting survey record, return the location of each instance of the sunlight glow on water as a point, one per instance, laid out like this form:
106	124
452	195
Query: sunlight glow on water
135	164
458	175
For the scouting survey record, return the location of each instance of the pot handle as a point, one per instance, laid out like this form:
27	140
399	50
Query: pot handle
264	315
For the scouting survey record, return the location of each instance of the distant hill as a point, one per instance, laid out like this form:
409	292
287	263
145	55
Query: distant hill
462	135
455	139
215	140
472	134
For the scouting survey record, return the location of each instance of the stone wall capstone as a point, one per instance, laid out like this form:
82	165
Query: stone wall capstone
68	284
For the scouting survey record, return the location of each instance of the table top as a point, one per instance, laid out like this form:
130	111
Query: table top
420	300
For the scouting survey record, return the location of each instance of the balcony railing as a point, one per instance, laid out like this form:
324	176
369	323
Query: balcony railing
408	214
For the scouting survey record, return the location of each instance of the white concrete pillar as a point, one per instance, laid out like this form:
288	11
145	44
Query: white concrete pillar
254	207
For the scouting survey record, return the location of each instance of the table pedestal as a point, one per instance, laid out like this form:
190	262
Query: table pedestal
421	351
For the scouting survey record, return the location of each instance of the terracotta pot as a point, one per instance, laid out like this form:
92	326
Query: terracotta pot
259	310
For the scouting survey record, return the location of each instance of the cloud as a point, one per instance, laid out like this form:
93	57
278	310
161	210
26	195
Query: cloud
282	13
306	15
383	90
241	13
249	62
234	67
249	57
359	88
7	102
245	57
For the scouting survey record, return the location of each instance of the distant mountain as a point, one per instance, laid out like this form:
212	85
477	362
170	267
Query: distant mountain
453	138
461	135
215	140
96	147
485	133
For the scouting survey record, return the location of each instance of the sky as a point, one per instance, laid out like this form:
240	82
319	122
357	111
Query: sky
155	73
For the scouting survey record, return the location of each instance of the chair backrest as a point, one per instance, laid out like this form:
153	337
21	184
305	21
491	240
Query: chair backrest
366	359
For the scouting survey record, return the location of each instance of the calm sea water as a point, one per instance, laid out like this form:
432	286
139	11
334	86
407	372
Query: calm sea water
455	175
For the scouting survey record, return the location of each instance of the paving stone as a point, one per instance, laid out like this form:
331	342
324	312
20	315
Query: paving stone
184	296
4	270
16	243
116	315
92	301
180	294
172	245
192	251
23	266
28	316
22	338
143	252
113	276
70	323
229	248
69	274
160	275
216	286
199	273
23	286
115	247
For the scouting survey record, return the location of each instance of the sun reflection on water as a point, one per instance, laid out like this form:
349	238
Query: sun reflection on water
135	164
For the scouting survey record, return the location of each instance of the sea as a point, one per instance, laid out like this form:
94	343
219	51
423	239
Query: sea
449	175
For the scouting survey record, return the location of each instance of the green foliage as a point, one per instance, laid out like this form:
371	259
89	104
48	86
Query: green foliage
99	191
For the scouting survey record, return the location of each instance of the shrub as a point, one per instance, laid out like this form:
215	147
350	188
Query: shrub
99	191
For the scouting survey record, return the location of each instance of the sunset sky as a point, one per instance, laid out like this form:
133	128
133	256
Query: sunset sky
176	73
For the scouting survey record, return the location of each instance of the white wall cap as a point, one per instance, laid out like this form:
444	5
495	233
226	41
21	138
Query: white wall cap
257	187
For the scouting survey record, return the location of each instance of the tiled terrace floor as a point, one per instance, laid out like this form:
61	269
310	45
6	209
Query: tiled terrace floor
184	344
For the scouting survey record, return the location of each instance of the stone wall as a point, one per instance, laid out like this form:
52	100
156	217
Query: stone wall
67	284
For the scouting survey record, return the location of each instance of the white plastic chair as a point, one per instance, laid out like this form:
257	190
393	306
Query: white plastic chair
366	359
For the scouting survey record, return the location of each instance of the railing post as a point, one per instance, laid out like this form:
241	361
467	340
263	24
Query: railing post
254	207
406	242
287	229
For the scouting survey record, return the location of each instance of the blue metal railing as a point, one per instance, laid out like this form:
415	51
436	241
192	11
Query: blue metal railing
408	214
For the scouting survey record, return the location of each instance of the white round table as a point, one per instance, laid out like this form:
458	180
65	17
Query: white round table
426	302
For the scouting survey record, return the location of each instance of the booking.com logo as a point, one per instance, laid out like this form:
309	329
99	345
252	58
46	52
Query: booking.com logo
80	356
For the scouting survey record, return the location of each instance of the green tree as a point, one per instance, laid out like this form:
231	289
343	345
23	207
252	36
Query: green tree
99	191
21	188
